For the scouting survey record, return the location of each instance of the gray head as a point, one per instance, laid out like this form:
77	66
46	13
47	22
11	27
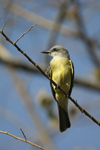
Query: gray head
57	50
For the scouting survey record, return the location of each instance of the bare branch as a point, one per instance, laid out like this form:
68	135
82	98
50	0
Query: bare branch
24	33
84	111
41	21
24	140
87	83
57	24
17	64
83	36
11	61
4	25
77	105
29	104
23	134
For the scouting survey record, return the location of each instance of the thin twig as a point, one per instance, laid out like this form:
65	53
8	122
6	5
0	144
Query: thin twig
32	17
18	64
24	33
4	24
28	102
18	138
84	111
23	134
77	105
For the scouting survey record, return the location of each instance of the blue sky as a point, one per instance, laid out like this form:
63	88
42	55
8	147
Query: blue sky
84	134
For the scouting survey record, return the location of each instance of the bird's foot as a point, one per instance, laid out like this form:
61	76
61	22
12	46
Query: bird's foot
56	87
67	95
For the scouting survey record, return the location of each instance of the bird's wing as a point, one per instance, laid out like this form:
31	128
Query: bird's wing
49	73
72	77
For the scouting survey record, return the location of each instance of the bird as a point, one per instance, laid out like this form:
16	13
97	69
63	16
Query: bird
61	71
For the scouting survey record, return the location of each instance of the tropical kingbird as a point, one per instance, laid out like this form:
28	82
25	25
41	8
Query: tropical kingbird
61	71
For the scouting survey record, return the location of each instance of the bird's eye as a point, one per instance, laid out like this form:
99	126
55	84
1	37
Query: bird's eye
54	49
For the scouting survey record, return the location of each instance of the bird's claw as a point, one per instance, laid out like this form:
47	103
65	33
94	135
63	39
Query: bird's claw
56	87
67	95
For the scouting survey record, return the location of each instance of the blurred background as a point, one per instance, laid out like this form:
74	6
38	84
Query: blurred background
26	100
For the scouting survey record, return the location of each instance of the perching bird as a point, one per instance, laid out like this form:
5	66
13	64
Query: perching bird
61	71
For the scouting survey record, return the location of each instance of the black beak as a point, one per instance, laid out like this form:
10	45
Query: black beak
46	52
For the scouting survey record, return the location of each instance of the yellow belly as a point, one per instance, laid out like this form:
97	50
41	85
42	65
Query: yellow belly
61	74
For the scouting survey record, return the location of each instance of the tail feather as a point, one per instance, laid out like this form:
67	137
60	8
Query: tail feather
64	121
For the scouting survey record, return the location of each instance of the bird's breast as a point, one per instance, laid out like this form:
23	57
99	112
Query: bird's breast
61	72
